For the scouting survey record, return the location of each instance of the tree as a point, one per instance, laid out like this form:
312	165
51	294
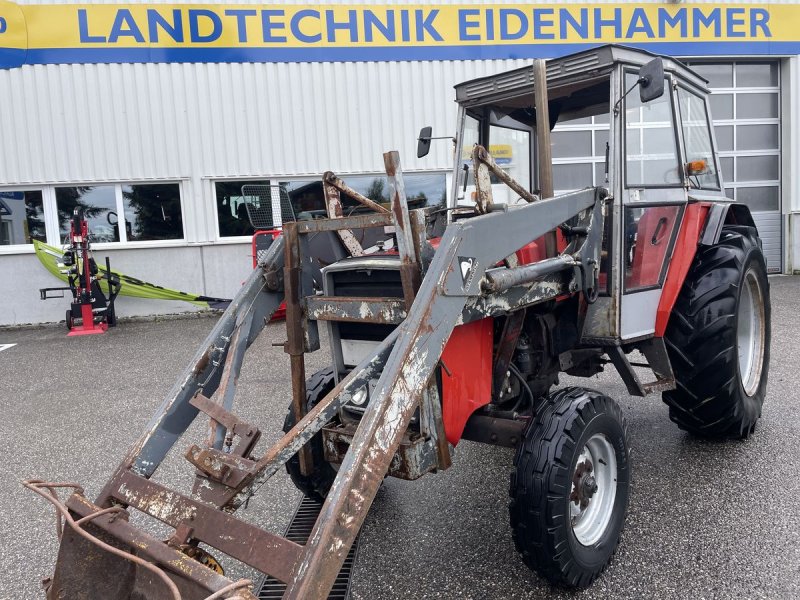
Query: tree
157	209
377	190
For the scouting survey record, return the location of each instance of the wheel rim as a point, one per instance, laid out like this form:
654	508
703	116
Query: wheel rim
750	333
594	490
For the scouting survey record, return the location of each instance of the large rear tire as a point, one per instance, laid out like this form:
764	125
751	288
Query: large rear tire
319	481
569	491
718	339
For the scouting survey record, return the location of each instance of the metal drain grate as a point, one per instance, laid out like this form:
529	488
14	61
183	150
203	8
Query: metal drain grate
298	531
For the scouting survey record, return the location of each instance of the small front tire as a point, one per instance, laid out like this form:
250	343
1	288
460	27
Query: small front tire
569	491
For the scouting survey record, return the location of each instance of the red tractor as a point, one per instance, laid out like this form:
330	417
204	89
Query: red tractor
457	325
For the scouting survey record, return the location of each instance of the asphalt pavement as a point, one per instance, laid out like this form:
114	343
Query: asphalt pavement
706	520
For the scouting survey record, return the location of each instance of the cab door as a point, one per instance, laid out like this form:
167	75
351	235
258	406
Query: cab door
653	203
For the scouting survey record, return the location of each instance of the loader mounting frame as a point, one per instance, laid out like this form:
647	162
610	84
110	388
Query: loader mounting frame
466	280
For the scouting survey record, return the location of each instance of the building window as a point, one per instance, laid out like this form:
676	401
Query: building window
99	205
308	200
231	209
152	212
21	217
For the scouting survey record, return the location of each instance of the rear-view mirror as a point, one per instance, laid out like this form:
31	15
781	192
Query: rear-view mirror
424	141
651	80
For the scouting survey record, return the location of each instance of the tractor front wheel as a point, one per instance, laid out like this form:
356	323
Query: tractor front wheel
718	339
569	491
317	483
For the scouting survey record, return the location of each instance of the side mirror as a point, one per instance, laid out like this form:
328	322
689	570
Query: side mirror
651	80
424	141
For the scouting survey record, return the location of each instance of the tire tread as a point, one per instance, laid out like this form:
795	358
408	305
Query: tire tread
702	345
541	480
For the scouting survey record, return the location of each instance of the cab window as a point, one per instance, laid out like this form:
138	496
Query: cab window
701	171
651	149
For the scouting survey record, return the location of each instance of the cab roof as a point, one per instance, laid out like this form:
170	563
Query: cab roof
568	74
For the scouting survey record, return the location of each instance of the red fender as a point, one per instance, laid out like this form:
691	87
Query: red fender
467	375
694	221
467	357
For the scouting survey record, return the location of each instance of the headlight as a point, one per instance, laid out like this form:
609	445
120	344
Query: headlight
359	397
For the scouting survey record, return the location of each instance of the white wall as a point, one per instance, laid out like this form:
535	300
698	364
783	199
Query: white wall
216	271
65	124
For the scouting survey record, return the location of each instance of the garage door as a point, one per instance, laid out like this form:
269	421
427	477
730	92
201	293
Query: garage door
745	105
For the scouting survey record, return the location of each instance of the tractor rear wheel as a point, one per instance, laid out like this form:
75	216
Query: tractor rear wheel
718	339
569	490
316	484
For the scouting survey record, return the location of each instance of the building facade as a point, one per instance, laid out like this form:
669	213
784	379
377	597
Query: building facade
154	116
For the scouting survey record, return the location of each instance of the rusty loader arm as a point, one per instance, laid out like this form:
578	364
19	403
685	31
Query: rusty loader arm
461	283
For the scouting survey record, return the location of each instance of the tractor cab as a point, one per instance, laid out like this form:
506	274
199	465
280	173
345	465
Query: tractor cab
640	127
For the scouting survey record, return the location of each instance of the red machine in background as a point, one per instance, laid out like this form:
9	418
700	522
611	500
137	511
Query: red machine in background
91	312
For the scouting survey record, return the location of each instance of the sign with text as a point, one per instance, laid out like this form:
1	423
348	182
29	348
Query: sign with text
103	33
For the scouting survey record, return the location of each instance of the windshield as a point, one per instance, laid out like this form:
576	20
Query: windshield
580	123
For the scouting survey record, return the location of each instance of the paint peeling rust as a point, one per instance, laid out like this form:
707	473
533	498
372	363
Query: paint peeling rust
354	309
163	507
201	364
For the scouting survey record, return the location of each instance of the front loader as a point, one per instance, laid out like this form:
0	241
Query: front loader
457	324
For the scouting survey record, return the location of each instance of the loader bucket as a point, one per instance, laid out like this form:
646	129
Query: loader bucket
102	556
84	570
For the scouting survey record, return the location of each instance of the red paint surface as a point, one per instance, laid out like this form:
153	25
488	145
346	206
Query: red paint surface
653	233
535	251
468	357
531	253
88	327
694	219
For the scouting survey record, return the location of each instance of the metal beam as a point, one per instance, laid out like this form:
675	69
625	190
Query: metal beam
410	274
354	309
544	149
253	546
333	203
356	222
